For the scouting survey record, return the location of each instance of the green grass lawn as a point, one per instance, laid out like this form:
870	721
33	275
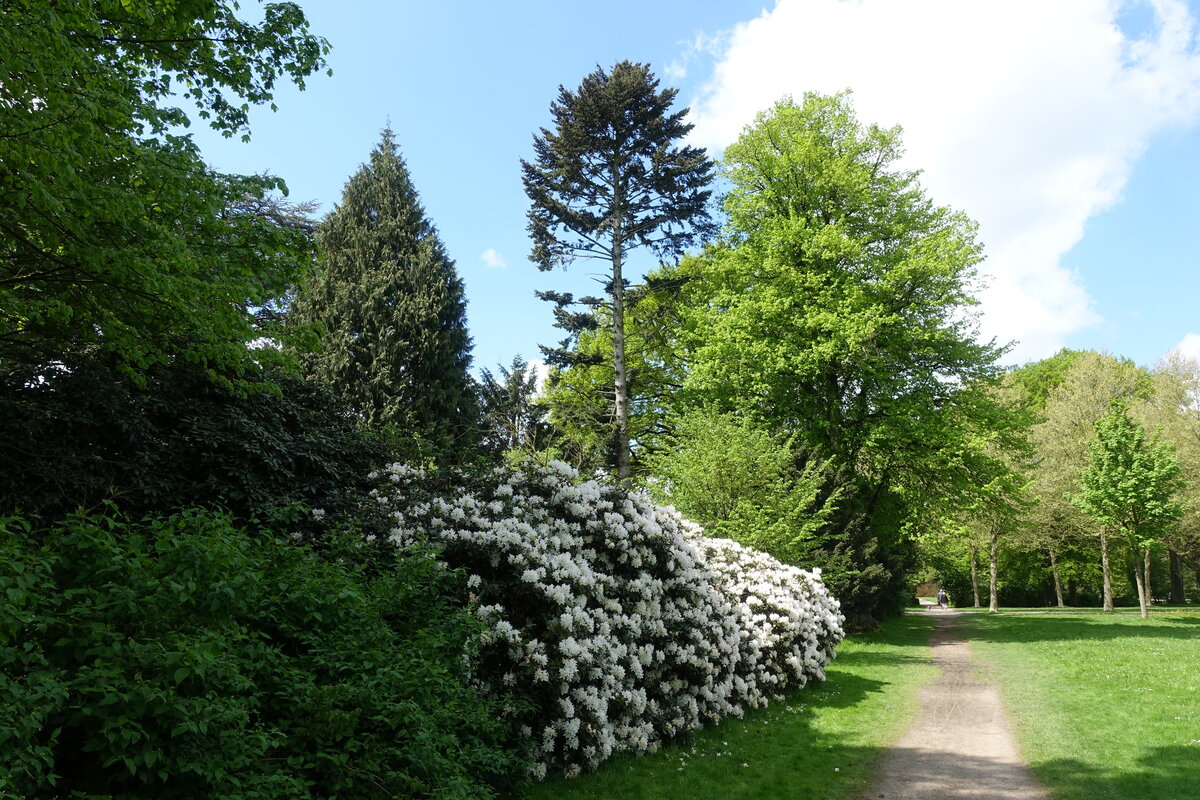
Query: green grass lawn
822	743
1106	707
1154	609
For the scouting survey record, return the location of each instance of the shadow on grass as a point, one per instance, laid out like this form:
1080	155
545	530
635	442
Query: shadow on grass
1163	773
1048	627
812	744
879	659
778	746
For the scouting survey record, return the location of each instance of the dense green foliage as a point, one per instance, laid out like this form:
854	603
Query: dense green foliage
1038	379
391	307
181	657
174	438
1129	485
745	484
1173	412
116	235
838	306
579	390
196	648
514	416
610	178
1051	551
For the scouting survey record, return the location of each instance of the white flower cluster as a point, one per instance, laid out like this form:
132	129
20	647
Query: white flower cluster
617	620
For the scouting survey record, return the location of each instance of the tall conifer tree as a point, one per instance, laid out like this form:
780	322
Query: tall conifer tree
611	177
391	304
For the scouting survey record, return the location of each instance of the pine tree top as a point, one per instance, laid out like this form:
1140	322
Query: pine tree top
610	177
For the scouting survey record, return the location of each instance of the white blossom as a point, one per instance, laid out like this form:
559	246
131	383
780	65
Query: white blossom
638	625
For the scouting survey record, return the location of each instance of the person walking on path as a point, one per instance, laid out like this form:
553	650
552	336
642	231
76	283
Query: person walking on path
942	599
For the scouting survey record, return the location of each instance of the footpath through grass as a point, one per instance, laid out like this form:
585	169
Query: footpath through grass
823	742
1106	707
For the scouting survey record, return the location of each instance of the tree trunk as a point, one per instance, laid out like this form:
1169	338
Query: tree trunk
1141	584
620	386
975	574
1058	593
993	594
1177	594
1149	585
1104	567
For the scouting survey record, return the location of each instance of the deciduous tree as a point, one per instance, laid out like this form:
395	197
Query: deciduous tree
1083	395
1129	485
1175	408
115	235
838	308
748	485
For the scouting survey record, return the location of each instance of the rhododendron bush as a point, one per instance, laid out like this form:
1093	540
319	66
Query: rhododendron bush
619	622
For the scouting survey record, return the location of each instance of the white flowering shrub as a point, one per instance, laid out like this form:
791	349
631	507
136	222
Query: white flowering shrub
618	621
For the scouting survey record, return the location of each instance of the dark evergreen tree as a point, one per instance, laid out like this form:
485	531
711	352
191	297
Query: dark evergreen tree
513	417
608	179
391	307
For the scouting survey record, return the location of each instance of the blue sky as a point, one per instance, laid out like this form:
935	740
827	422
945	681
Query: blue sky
1068	129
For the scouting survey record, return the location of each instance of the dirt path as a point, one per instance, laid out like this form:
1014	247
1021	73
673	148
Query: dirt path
961	744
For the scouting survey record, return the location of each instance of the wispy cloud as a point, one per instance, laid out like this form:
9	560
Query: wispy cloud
701	44
675	71
492	259
1027	115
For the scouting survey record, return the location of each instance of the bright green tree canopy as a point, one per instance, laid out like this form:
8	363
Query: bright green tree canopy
1129	484
115	235
839	305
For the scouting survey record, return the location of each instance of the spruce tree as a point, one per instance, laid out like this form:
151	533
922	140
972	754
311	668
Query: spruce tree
391	306
610	178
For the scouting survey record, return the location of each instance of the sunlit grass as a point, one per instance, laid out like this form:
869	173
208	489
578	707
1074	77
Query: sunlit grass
1106	707
822	743
1154	609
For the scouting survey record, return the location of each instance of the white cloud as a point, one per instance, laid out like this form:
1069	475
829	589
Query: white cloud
1189	347
1028	115
492	259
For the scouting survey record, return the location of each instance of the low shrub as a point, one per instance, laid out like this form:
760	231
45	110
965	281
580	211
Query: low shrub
617	620
180	657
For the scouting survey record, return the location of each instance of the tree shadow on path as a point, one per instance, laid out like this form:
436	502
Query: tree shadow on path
951	776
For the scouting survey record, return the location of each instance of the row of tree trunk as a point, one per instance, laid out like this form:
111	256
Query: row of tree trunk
1141	576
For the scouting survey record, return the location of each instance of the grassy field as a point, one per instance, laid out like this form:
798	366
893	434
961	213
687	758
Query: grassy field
1107	707
821	743
1154	609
